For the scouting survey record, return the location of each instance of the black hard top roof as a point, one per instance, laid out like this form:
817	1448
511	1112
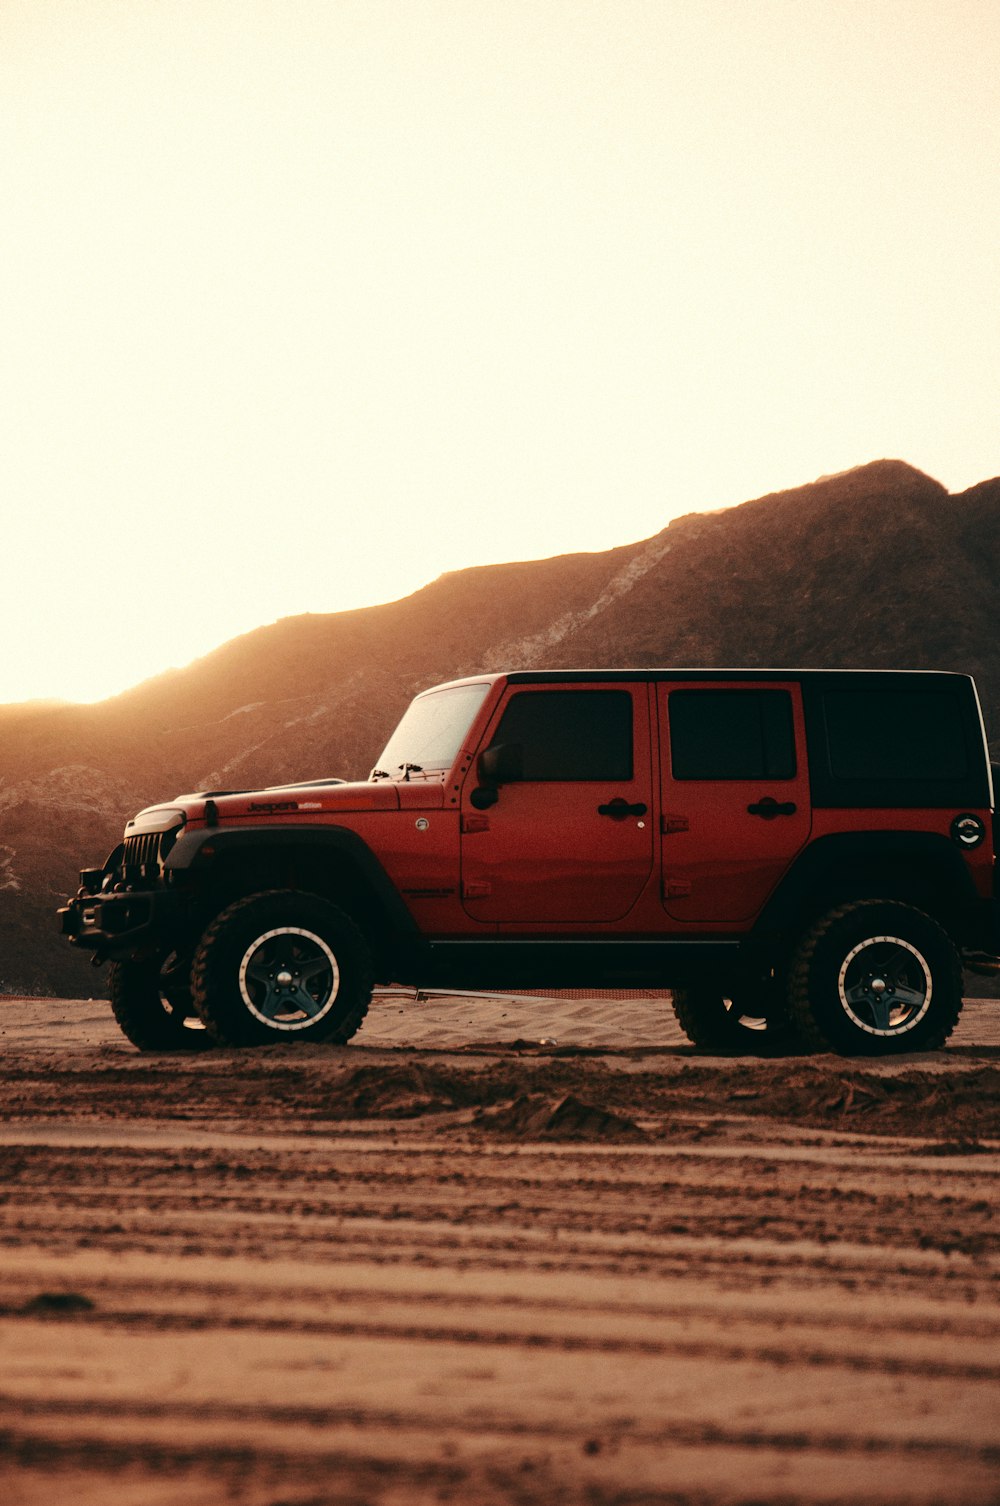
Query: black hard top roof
843	679
883	677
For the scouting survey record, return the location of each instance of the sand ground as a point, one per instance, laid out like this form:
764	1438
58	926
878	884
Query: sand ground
532	1251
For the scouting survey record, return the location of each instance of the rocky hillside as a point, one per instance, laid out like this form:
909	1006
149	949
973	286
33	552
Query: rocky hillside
875	567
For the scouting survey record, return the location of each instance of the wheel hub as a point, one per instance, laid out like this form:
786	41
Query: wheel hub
289	978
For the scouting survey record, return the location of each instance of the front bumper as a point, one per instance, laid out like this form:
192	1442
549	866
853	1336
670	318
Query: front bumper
120	925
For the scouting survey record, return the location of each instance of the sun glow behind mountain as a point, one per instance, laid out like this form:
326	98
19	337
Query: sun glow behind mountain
305	305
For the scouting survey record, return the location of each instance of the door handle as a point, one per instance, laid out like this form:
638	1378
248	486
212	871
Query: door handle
619	809
769	808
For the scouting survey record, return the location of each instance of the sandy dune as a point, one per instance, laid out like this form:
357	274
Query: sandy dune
451	1263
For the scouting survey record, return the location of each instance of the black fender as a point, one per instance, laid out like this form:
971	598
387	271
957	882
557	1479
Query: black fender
858	861
198	851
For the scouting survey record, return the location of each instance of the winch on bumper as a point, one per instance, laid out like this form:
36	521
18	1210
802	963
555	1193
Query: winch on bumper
128	904
118	925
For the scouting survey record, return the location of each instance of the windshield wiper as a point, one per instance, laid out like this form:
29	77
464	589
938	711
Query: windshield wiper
379	774
410	768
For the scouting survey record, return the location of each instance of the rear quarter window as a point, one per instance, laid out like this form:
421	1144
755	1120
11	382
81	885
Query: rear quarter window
896	743
894	735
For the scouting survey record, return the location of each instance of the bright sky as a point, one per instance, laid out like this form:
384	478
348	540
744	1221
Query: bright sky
304	302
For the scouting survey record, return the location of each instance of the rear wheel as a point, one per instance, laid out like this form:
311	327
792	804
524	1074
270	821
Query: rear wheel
282	966
753	1019
153	1009
875	978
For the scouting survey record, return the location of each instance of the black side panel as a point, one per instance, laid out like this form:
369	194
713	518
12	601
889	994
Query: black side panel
344	847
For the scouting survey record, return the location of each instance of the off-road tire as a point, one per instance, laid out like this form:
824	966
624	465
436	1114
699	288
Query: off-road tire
258	941
746	1021
147	1015
861	960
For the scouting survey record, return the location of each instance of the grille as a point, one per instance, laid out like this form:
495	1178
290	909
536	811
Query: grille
143	851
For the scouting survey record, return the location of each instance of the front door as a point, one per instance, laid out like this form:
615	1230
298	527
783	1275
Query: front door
571	840
735	791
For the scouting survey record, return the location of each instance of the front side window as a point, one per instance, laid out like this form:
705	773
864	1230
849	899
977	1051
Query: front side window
731	734
570	734
432	729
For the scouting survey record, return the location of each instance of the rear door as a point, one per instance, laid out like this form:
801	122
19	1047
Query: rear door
572	841
735	792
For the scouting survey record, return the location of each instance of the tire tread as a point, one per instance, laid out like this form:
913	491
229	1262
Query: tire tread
799	990
702	1017
133	990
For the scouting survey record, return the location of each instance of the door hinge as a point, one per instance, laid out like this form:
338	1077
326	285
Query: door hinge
676	888
670	824
475	823
479	889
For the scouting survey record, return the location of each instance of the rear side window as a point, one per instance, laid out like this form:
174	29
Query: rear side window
731	734
571	734
894	734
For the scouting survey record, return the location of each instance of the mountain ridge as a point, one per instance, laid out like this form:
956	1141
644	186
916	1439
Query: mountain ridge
875	567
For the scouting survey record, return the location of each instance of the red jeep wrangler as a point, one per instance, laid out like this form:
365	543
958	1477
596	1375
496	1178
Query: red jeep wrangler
787	851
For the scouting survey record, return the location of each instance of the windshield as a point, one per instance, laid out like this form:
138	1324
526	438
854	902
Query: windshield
432	729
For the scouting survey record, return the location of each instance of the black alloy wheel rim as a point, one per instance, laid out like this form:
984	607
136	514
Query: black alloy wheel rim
885	985
289	978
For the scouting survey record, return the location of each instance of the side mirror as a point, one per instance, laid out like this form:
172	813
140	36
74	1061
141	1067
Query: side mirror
501	764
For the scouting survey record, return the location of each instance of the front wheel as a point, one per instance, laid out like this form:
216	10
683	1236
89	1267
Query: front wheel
280	967
875	978
152	1010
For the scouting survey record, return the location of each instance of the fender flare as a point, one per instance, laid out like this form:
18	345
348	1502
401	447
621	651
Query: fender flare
198	850
821	859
